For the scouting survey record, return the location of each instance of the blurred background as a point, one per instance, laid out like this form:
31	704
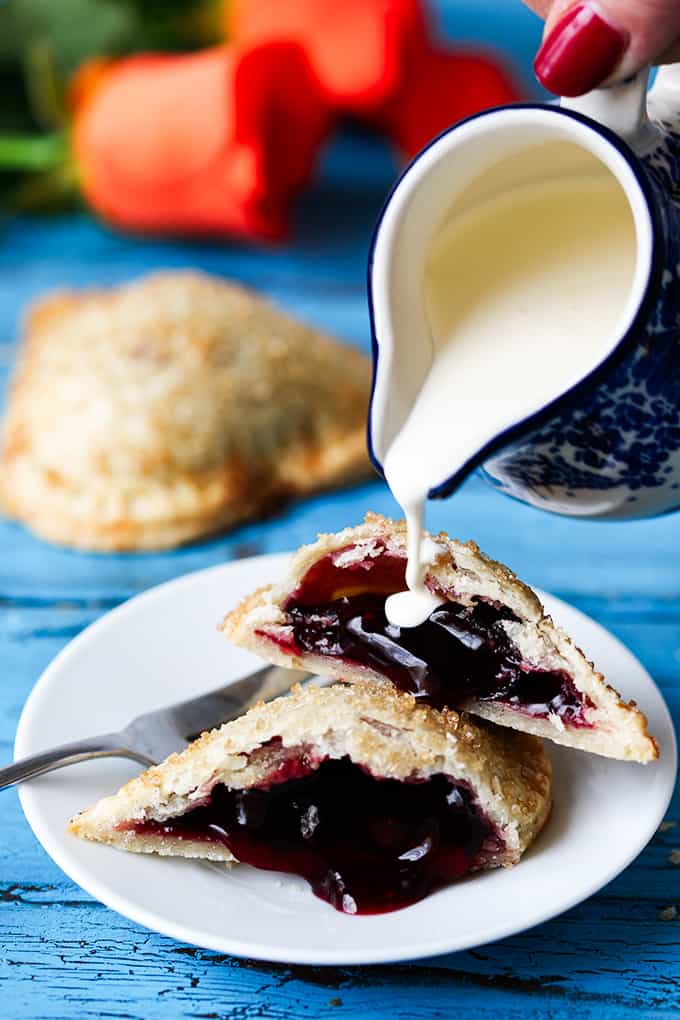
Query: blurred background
107	104
252	139
81	124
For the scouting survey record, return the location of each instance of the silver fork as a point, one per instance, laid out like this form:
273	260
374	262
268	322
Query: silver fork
151	737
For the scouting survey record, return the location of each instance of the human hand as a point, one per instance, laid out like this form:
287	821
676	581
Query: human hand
600	42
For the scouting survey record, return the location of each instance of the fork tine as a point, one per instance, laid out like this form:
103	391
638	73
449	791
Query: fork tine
153	736
199	714
157	734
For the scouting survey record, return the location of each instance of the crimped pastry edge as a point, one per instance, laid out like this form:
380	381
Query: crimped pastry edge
213	503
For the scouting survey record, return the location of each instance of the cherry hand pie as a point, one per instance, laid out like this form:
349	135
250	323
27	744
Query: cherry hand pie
488	649
173	407
375	800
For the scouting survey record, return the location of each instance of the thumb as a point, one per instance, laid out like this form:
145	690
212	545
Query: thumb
599	42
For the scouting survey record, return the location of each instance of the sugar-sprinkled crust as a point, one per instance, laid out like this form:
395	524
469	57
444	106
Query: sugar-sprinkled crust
171	407
378	727
460	572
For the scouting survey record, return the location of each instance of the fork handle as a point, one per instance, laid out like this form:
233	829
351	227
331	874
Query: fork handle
110	745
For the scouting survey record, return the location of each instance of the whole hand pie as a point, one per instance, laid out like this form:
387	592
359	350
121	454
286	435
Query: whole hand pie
488	649
373	799
175	406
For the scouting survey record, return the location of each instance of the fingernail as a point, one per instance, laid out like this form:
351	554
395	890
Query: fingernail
580	52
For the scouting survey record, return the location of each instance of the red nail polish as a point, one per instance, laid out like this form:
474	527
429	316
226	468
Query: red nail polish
580	52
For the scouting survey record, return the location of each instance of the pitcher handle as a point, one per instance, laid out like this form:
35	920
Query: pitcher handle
622	108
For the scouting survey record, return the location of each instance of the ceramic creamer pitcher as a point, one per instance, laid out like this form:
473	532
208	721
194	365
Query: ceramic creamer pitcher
610	445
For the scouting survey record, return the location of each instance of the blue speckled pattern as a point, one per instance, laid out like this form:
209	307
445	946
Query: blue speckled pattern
615	450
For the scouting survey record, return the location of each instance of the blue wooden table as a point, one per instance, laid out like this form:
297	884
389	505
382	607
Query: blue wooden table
64	955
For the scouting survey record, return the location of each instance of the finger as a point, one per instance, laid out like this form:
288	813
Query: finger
599	42
671	55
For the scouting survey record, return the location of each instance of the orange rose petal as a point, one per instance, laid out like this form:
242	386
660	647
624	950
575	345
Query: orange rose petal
439	89
208	142
355	47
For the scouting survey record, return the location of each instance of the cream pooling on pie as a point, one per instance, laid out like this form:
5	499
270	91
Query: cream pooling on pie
488	647
375	800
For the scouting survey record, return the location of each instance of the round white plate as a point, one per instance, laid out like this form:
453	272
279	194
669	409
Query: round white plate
163	646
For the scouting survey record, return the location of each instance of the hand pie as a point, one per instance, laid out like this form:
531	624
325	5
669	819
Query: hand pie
489	649
374	800
172	407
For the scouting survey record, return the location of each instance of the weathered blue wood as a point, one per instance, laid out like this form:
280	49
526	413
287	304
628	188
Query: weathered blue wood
62	955
569	557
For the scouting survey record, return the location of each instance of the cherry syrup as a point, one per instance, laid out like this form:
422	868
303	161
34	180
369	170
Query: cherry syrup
460	652
365	845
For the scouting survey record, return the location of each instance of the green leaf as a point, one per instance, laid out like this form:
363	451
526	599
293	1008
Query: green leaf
77	29
52	191
74	29
33	152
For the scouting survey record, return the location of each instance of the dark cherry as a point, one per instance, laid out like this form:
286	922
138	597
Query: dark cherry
365	845
458	653
332	576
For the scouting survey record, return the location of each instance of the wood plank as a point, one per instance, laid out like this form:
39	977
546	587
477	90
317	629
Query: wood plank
567	556
92	957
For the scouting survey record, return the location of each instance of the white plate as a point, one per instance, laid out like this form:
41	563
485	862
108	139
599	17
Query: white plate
163	646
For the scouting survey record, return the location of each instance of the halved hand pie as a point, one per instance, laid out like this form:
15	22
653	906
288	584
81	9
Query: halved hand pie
489	648
375	800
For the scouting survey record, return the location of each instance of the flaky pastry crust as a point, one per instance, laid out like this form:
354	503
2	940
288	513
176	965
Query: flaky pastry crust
172	407
460	572
377	727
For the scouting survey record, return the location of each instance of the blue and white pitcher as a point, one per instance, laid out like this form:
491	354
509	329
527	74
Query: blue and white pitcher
610	445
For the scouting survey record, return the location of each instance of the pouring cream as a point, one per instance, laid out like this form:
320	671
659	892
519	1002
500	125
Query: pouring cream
521	290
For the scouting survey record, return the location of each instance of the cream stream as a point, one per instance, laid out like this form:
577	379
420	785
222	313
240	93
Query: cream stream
523	294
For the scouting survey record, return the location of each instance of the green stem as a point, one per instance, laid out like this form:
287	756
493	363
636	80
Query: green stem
32	152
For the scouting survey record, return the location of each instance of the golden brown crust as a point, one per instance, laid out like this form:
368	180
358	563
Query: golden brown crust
460	572
378	727
170	408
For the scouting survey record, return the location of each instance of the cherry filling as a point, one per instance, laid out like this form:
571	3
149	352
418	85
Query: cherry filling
365	845
460	652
